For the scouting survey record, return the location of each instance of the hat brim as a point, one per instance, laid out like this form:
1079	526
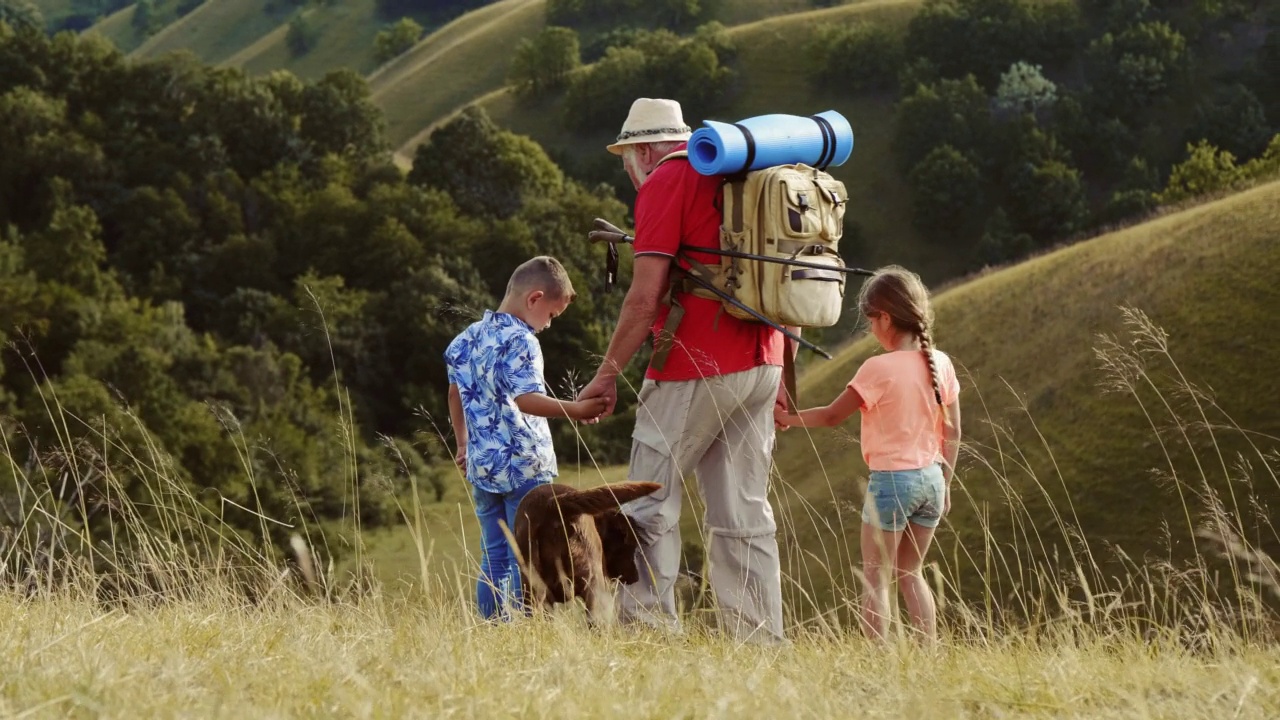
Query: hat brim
616	148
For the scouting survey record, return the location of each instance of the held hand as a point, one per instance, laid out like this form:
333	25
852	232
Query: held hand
588	410
461	458
605	388
607	232
781	409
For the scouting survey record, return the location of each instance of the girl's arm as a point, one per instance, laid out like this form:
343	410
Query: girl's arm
827	416
950	450
951	441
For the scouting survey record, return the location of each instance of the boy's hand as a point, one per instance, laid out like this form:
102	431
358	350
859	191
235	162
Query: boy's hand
782	417
460	459
588	409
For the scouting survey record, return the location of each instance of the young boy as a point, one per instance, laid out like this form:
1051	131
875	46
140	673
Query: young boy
498	405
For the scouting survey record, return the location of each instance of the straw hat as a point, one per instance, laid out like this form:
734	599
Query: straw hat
650	121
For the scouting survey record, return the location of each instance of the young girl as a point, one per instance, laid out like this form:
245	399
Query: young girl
909	398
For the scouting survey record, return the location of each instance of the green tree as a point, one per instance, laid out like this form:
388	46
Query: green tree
984	37
69	249
946	190
516	168
144	16
1263	69
1266	166
1137	66
1135	194
396	40
1000	242
302	35
855	57
1024	89
1206	170
658	63
21	14
1046	200
544	62
338	117
1232	119
952	112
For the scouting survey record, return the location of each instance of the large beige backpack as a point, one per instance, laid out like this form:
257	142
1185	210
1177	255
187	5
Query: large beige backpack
779	253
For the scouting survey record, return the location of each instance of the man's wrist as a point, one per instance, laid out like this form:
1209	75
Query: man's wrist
608	370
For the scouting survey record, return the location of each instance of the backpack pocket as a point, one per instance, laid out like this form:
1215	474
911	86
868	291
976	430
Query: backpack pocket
799	210
809	296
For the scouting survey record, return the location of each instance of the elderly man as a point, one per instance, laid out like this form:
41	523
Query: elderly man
707	400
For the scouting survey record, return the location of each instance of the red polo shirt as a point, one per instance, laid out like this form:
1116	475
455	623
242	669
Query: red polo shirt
676	206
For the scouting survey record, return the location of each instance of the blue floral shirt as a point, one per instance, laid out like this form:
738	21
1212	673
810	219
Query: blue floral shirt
494	361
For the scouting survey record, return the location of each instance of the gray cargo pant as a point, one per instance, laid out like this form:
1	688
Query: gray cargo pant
721	428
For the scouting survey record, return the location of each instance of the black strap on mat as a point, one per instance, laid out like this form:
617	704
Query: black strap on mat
828	141
751	146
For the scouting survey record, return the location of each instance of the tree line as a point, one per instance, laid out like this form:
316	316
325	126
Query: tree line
231	272
1018	124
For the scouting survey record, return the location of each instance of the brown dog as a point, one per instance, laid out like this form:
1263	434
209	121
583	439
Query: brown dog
572	542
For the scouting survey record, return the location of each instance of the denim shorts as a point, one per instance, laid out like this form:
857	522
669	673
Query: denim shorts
895	497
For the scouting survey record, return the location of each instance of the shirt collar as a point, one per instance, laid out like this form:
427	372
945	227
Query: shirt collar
505	320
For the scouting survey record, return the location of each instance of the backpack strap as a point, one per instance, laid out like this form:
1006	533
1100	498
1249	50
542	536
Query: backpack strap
681	282
677	155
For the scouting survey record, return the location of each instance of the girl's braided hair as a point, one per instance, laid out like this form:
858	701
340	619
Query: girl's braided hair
902	294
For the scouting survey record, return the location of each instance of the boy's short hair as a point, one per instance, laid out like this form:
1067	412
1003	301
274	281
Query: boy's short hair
543	273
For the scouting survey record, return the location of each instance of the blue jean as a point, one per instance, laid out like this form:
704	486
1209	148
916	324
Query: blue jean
499	583
895	497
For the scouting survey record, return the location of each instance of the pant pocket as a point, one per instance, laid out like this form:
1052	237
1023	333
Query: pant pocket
662	414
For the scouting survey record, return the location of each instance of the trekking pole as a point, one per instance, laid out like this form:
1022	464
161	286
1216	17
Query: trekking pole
756	314
781	261
608	233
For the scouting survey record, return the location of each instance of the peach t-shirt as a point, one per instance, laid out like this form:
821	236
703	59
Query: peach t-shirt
901	421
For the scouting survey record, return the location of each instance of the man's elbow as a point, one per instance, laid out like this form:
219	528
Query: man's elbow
643	302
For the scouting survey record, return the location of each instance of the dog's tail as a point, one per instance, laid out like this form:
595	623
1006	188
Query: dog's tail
604	498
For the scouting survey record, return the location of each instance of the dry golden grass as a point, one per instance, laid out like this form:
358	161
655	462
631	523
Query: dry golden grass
214	31
453	65
179	614
64	657
346	33
1088	427
118	28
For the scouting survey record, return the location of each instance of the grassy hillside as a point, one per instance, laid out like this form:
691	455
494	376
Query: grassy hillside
1203	275
467	62
455	64
214	31
345	39
54	10
880	202
738	12
118	28
1026	338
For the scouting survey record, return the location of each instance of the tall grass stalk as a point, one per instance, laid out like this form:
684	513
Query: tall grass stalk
170	608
